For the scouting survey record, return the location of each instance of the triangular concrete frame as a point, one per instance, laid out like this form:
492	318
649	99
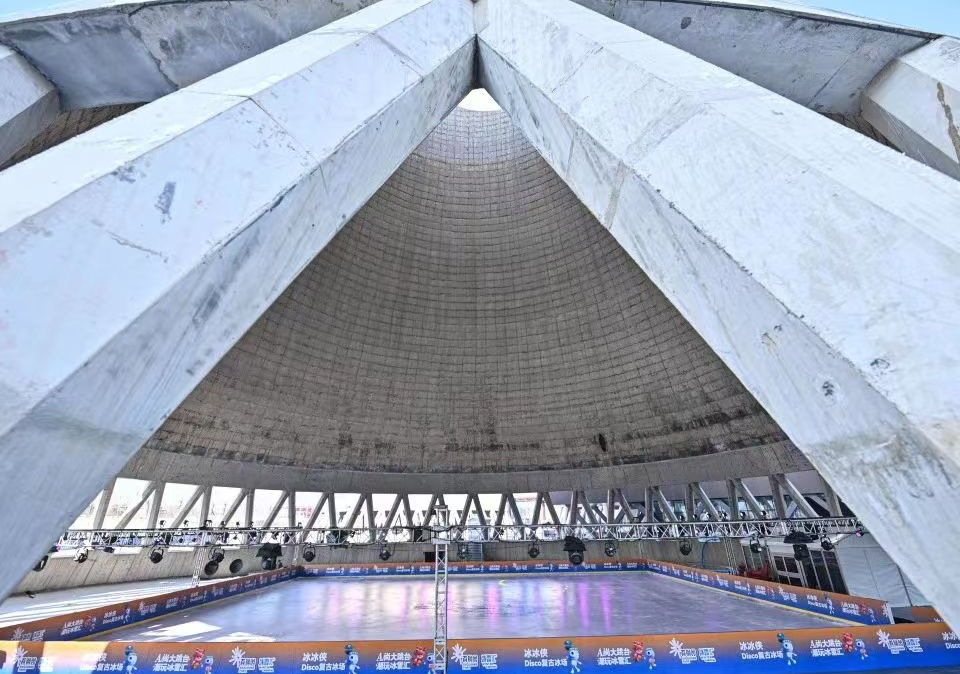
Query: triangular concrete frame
823	269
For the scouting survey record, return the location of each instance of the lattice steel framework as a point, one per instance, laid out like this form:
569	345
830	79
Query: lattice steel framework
441	548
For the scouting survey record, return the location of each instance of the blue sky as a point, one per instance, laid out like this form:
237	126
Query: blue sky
935	16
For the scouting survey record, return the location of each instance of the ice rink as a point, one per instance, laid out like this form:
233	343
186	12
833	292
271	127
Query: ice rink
343	609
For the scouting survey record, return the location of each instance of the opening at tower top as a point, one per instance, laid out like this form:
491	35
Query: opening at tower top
479	99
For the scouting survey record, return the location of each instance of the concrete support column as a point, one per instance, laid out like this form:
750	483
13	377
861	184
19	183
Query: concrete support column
648	504
153	518
915	103
205	505
130	249
853	355
779	503
733	500
833	501
690	504
104	504
706	501
248	510
750	499
28	103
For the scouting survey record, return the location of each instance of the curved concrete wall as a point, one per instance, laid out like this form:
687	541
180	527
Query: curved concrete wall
473	318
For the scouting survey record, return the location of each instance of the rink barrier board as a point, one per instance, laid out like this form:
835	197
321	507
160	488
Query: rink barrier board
81	624
848	608
801	651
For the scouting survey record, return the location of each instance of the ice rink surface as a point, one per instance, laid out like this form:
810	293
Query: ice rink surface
356	609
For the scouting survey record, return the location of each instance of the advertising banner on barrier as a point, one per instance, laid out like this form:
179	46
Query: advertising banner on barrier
841	606
841	649
470	568
80	624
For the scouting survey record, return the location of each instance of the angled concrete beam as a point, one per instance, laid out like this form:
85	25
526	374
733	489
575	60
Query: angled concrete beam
502	510
104	504
707	502
853	355
537	507
733	501
156	240
355	513
832	500
750	499
144	495
573	515
588	509
407	511
665	508
779	503
235	505
514	510
187	507
915	103
275	510
551	510
28	102
332	510
625	506
392	513
316	512
153	518
818	58
109	54
806	510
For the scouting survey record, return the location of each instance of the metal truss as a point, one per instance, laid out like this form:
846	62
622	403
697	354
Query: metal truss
343	537
441	552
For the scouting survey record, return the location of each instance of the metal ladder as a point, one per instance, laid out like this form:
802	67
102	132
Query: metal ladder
441	548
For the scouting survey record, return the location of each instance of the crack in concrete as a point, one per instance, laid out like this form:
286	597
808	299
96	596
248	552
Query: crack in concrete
952	129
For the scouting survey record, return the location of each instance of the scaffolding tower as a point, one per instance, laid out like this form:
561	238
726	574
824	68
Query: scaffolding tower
441	545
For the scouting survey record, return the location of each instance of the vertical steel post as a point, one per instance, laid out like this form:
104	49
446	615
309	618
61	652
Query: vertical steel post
441	545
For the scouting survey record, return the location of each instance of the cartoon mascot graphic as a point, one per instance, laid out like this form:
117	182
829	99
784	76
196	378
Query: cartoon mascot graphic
787	647
418	657
651	656
861	647
637	651
573	657
197	658
129	660
353	659
846	640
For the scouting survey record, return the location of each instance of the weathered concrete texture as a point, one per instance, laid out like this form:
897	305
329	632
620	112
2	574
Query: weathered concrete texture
823	268
474	323
135	255
28	103
66	126
822	60
136	52
915	102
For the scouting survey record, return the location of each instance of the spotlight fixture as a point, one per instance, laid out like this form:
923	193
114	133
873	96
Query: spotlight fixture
826	544
156	554
859	530
685	548
41	565
574	548
385	553
610	549
755	546
801	552
211	567
463	551
269	552
109	549
309	553
80	556
534	551
217	555
286	538
236	566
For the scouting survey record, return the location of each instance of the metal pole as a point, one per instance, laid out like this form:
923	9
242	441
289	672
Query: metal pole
441	545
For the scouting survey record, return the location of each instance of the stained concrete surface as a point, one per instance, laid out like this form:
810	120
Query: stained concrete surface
568	606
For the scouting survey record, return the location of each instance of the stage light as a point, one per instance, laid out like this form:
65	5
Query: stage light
286	538
755	546
859	530
41	565
801	552
236	566
156	554
217	555
534	551
211	568
826	544
109	549
574	548
309	553
80	556
269	552
610	549
685	548
385	553
463	551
